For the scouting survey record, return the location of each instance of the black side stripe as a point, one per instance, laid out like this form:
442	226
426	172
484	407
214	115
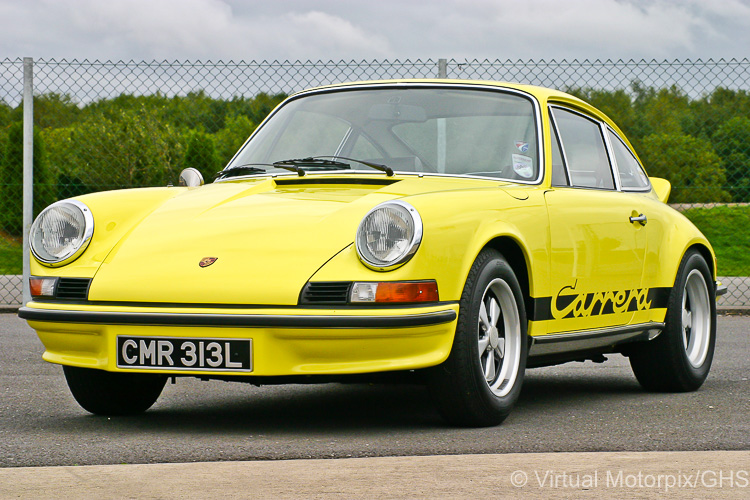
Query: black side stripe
542	306
659	297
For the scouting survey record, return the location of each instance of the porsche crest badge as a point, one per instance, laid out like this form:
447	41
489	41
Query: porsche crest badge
207	261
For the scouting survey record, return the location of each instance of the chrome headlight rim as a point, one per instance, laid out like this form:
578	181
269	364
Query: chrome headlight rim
88	232
413	246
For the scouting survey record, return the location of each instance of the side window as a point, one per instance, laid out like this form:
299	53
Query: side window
559	175
585	152
632	176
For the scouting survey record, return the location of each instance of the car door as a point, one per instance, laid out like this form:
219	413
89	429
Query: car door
652	221
597	235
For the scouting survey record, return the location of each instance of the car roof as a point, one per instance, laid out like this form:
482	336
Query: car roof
542	93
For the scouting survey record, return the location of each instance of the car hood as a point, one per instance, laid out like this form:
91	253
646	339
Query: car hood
268	237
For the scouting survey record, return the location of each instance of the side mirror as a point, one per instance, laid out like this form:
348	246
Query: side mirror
190	177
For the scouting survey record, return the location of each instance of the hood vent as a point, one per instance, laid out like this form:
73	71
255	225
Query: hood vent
302	181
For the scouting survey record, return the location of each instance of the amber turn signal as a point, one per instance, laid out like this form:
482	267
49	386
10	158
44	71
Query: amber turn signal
401	292
42	287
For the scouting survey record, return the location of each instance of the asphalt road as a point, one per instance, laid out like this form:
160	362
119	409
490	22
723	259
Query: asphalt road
574	407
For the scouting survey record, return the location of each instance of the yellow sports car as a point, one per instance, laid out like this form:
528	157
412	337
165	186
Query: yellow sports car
457	231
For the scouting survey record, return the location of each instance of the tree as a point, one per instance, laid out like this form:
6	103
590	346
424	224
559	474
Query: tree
691	165
201	154
713	110
133	148
196	110
5	114
660	111
55	110
114	107
732	143
229	139
11	179
616	104
255	108
69	187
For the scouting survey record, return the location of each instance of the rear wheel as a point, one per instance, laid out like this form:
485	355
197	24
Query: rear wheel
679	359
480	381
107	393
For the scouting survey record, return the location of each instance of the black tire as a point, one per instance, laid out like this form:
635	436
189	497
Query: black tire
107	393
678	360
463	393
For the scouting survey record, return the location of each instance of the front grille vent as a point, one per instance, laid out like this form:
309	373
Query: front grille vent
72	288
326	292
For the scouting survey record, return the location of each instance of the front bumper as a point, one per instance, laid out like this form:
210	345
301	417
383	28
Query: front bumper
285	341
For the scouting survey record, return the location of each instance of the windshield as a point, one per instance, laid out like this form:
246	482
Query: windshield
409	129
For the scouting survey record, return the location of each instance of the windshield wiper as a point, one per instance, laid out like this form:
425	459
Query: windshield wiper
377	166
250	168
299	165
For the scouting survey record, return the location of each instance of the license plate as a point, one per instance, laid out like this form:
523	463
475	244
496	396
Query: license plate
178	353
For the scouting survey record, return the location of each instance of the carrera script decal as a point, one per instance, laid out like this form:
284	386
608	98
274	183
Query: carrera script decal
568	304
571	305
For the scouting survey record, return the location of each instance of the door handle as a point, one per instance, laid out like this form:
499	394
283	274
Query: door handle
641	219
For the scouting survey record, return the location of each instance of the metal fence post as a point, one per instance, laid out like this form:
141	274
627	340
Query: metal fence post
442	68
28	167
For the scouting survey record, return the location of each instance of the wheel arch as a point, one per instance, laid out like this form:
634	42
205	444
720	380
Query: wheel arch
670	273
518	260
706	253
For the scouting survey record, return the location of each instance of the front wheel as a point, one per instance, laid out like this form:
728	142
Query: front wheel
108	393
679	359
481	380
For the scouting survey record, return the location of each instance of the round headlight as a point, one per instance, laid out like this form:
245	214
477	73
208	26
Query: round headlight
389	235
61	232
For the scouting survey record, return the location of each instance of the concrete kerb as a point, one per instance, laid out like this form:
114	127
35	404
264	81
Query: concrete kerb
684	474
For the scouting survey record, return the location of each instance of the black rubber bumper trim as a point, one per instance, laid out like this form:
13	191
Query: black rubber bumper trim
241	320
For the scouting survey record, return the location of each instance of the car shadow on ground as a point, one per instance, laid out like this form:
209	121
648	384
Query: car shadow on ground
215	406
301	408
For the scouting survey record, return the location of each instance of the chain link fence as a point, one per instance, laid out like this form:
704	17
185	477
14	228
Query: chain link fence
111	125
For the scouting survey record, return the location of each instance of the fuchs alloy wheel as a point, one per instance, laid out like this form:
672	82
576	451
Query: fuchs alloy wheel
108	393
481	380
499	343
679	359
696	319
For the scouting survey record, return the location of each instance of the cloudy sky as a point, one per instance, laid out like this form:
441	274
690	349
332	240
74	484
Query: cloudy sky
365	30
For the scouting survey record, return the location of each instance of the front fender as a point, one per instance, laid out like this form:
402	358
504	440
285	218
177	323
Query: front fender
453	238
115	214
